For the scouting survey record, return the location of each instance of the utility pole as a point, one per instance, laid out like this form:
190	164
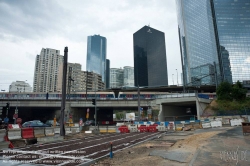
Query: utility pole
215	75
69	81
95	102
62	129
177	77
87	86
139	107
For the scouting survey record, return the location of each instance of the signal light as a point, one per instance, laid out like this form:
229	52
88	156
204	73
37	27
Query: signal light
93	101
7	105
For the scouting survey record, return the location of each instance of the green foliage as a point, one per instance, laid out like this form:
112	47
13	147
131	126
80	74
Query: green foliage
119	115
238	92
224	90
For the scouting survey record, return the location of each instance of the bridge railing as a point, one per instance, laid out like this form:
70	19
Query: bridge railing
176	95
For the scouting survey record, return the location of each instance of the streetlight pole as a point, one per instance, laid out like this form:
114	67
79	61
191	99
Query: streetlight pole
173	78
95	79
177	77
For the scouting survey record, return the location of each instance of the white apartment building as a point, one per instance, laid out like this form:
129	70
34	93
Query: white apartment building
20	86
46	70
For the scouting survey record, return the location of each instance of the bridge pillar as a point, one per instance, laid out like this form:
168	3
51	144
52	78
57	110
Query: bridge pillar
200	107
161	114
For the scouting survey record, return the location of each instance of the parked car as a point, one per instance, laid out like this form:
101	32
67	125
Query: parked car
35	123
51	123
89	123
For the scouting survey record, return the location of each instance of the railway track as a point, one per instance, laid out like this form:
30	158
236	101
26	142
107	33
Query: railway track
74	152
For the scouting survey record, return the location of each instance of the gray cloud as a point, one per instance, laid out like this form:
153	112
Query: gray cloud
30	19
27	26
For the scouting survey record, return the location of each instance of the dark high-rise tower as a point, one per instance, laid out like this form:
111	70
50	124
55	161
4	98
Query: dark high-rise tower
107	73
150	63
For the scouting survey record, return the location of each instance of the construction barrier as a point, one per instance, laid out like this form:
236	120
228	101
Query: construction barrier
14	134
68	131
123	129
39	132
171	125
103	129
57	130
27	133
111	129
216	124
161	126
206	125
179	127
49	131
236	122
152	128
75	130
119	124
2	135
142	128
13	126
133	128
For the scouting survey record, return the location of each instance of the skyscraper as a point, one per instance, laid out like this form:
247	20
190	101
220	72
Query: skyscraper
116	78
107	73
128	76
232	23
96	55
214	33
199	54
75	80
46	70
150	63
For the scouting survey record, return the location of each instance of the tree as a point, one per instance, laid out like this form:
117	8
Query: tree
224	91
238	92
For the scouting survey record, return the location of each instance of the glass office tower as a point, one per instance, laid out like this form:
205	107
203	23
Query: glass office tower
200	63
150	62
216	33
233	26
96	55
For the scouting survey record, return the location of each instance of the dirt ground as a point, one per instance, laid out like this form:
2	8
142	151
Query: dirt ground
139	155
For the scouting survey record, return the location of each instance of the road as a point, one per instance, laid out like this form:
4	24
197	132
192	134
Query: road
72	152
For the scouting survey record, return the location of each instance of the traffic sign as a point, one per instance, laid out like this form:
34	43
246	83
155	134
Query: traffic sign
15	116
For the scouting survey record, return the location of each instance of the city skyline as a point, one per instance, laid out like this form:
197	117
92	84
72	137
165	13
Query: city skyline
38	24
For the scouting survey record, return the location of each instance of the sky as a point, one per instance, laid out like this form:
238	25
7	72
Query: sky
27	26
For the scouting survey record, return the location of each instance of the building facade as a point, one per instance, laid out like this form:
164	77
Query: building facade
46	70
93	81
128	76
96	55
232	22
20	86
150	62
197	41
74	79
214	33
116	77
107	84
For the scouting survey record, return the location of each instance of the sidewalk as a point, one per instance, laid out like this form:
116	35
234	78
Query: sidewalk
227	148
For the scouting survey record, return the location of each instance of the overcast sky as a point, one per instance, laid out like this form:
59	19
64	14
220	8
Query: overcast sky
27	26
